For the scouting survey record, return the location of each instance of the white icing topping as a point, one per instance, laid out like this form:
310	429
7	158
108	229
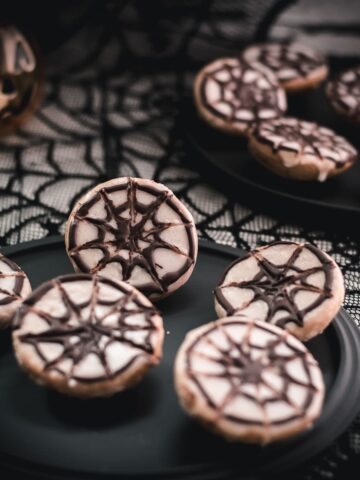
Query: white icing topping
287	61
260	375
298	142
249	288
13	286
18	57
72	333
239	93
151	230
344	92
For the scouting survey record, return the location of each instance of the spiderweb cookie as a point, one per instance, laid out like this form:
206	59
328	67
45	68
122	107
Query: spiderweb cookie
14	287
296	66
301	150
344	94
231	95
87	336
248	381
294	286
134	230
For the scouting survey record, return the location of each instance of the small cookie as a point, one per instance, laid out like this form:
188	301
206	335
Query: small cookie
297	67
14	287
20	79
248	381
300	150
87	336
292	285
232	95
344	94
135	230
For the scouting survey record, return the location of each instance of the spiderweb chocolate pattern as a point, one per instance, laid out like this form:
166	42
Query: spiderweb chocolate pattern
236	92
287	61
100	318
253	374
35	211
309	139
11	281
130	233
278	285
344	93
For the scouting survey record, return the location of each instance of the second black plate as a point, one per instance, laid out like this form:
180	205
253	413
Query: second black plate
225	161
143	432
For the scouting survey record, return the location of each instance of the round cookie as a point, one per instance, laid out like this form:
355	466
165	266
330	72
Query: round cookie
231	95
248	381
292	285
297	67
14	287
20	79
300	150
135	230
344	94
87	336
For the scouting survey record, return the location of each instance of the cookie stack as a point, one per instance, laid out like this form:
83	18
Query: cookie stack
247	96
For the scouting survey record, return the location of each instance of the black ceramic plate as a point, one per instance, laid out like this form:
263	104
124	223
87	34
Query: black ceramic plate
225	161
143	432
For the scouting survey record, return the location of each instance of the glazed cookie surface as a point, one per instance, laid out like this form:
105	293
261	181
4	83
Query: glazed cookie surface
297	67
294	286
20	78
14	287
231	95
134	230
300	150
248	381
344	94
87	336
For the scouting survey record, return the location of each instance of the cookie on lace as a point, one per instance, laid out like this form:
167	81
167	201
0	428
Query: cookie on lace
248	381
343	94
87	336
292	285
20	79
14	287
296	66
232	95
135	230
300	150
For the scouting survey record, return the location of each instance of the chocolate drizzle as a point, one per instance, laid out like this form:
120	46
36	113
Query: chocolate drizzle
259	371
139	237
344	93
305	139
81	330
278	285
287	61
237	93
9	296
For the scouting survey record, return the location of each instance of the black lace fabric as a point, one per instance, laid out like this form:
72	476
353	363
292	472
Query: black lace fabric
114	87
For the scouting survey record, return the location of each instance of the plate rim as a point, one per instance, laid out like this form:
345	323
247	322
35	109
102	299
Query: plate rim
347	335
